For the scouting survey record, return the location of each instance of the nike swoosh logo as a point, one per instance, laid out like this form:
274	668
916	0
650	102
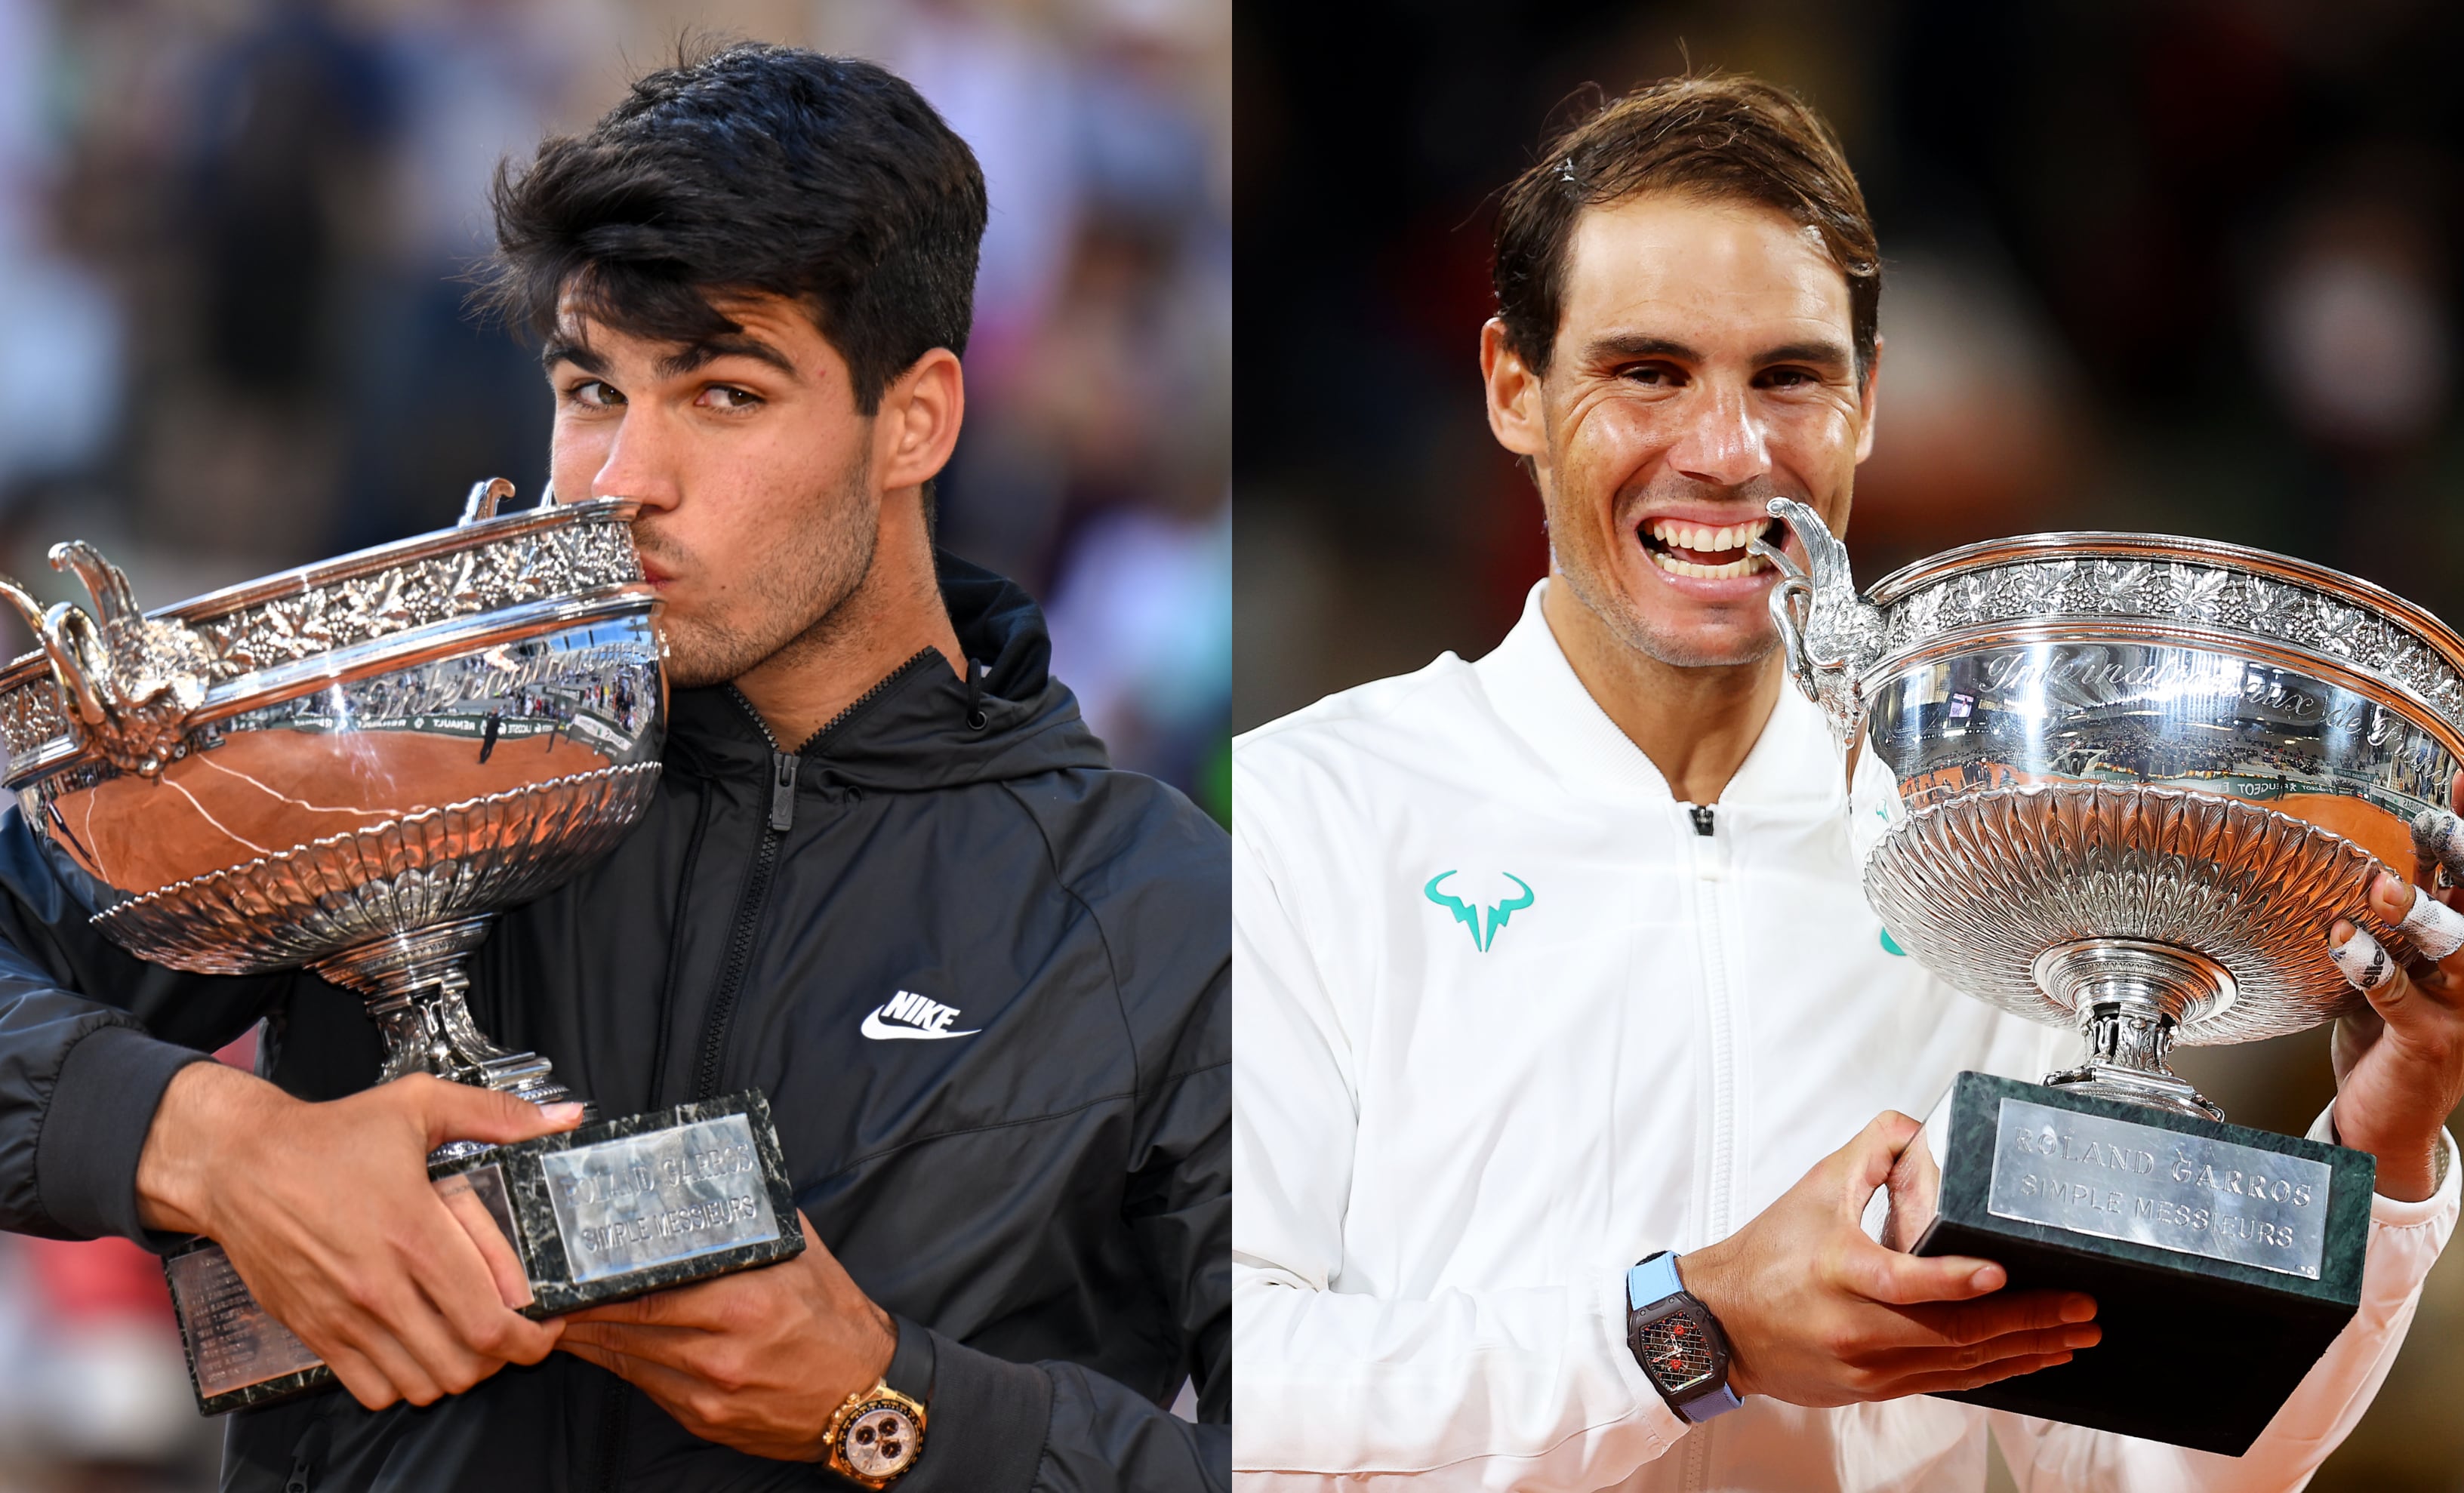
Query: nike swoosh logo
880	1030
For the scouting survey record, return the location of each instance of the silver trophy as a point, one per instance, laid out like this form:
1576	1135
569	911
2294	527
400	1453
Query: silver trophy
353	767
2125	783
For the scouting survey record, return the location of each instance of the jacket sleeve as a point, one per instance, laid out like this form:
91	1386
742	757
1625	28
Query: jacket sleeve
82	1064
2404	1240
1057	1427
1530	1389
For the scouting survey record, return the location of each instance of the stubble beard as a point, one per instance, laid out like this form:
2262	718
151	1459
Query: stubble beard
1594	581
797	598
1669	646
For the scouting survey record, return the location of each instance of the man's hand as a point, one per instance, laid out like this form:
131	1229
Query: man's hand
328	1214
2400	1064
756	1360
1816	1313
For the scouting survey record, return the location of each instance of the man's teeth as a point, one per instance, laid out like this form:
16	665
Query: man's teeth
1701	541
1686	567
1694	537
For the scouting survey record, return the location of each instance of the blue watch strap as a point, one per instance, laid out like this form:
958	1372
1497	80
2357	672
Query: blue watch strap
1654	1281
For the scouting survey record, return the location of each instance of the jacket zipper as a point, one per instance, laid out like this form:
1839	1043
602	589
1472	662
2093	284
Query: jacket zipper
765	858
739	959
1710	870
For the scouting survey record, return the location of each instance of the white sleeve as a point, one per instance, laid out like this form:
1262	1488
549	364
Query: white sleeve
1531	1389
2404	1243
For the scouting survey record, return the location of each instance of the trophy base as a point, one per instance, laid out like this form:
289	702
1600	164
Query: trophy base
2223	1260
613	1210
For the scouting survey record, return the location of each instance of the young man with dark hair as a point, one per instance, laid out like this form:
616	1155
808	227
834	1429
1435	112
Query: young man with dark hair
1552	964
754	279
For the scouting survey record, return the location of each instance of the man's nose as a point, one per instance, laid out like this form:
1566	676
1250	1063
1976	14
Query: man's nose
1722	442
641	463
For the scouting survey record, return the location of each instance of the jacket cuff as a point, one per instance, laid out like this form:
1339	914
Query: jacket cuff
985	1418
93	1130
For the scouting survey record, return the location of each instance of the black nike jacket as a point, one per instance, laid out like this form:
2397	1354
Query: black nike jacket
1044	1201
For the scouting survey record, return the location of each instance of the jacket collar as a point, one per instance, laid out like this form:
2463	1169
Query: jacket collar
921	727
1540	698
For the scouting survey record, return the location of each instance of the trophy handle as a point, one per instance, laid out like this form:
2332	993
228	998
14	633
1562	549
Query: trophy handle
486	497
1830	635
130	682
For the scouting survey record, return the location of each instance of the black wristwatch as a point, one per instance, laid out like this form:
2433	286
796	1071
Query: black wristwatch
1676	1340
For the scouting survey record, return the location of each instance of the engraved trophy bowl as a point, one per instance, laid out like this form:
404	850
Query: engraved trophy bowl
2125	783
353	767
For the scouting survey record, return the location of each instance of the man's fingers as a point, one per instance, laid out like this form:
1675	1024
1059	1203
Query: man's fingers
2434	928
694	1403
2019	1322
2365	965
504	1265
1898	1280
1952	1381
459	1111
1866	1162
2437	841
362	1378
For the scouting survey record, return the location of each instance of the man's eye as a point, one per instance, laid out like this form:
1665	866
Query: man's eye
1654	375
719	396
595	392
1788	378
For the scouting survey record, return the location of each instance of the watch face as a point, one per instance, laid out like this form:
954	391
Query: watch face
1677	1352
881	1441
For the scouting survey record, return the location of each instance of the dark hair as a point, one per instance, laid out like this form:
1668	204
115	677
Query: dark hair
755	169
1732	138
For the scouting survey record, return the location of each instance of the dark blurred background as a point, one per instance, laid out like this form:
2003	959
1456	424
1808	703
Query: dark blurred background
231	340
2186	267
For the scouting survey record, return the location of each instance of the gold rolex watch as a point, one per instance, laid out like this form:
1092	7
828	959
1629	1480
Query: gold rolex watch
875	1437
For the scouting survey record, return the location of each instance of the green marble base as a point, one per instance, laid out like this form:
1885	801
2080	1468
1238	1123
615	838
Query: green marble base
613	1210
2223	1260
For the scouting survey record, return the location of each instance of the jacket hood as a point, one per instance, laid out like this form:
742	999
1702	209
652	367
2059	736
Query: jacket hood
922	727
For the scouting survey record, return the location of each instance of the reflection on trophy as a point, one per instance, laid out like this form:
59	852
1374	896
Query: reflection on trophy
353	767
2125	783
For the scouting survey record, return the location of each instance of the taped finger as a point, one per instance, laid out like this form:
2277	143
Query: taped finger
2439	838
2364	964
2436	929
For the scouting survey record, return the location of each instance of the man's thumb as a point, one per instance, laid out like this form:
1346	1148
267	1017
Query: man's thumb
460	1111
1867	1160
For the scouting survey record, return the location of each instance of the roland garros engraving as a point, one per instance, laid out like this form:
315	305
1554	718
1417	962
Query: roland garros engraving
658	1198
2191	1193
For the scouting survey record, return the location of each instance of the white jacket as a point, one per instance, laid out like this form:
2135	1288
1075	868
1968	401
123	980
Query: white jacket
1457	1122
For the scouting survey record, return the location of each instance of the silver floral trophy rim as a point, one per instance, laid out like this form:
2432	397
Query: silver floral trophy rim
281	636
2145	914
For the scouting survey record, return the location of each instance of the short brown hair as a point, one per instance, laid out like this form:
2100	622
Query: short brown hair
1720	137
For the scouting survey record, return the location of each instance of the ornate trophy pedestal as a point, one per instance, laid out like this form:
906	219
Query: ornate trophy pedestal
352	767
613	1210
2124	784
2223	1260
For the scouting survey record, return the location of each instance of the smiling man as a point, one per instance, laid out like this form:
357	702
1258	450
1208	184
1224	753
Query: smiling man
889	879
1559	1011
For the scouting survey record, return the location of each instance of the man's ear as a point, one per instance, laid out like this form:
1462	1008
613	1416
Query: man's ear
1866	402
917	424
1515	413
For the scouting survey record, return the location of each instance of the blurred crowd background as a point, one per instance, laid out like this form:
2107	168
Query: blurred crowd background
232	340
2185	266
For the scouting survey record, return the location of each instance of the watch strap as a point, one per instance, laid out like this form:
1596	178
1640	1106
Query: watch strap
1652	1282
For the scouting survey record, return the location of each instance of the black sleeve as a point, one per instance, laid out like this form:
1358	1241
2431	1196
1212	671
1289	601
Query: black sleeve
1056	1427
89	1038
